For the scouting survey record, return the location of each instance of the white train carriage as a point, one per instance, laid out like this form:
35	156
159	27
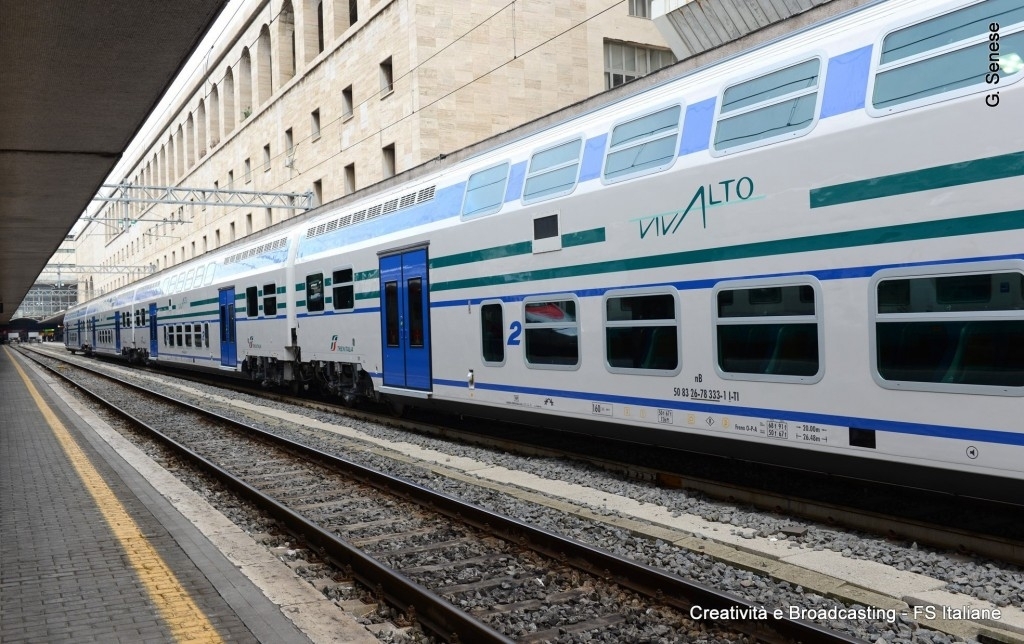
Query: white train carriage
810	253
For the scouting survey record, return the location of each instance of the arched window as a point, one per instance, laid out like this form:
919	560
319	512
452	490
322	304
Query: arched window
201	140
286	42
245	102
229	101
264	65
214	116
190	141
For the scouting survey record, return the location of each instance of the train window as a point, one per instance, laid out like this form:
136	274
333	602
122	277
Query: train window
485	191
197	334
950	55
206	334
269	300
950	331
642	146
769	330
343	293
641	333
492	333
553	172
315	292
391	322
551	333
414	290
166	341
768	108
188	335
178	332
252	306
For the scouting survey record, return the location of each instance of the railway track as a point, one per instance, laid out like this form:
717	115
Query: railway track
460	571
962	525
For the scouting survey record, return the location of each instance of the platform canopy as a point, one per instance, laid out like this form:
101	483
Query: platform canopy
77	80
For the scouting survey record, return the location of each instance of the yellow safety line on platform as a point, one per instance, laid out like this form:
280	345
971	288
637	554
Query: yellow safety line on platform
185	619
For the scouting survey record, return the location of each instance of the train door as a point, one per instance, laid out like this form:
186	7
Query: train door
92	323
117	331
79	335
405	320
228	350
154	346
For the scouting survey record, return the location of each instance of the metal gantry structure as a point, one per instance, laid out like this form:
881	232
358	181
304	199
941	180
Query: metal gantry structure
49	296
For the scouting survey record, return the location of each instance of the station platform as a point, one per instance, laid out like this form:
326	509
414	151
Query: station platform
91	551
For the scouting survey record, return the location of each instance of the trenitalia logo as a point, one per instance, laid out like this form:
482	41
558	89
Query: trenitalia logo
341	347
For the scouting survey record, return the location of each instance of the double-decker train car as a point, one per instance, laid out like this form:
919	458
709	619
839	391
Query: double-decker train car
811	253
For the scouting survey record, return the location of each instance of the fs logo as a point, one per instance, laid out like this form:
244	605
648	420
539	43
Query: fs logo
341	347
252	344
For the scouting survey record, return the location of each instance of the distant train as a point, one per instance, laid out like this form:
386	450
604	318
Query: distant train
810	254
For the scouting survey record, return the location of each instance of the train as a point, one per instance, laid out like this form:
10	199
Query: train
808	254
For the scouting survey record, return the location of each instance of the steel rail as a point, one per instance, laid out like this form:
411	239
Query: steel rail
639	577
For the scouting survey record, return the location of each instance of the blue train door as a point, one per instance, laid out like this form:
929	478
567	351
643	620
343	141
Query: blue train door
405	320
79	336
93	324
154	346
228	351
117	331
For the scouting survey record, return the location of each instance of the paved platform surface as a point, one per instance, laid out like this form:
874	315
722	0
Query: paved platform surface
89	551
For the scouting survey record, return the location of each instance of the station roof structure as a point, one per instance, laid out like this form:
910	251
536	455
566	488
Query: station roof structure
79	79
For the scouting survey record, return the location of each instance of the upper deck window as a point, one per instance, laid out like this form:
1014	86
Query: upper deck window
644	145
553	172
485	191
769	107
955	53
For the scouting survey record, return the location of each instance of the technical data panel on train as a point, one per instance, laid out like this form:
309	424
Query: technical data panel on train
763	428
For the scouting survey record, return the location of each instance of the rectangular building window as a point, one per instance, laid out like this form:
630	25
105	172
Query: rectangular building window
343	293
266	157
314	124
492	333
644	145
353	12
641	332
950	55
289	142
318	192
315	292
551	333
640	8
388	158
350	178
624	62
485	191
950	331
758	111
387	77
768	331
269	300
247	170
553	172
347	106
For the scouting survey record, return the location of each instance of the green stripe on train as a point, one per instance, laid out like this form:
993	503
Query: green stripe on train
976	224
941	176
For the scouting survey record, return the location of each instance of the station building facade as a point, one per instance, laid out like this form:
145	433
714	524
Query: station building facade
326	97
